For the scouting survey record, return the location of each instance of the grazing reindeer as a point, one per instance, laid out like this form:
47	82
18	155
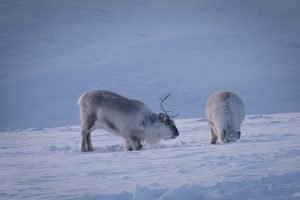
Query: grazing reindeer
225	112
128	118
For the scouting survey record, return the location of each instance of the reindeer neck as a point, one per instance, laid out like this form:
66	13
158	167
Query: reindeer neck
149	119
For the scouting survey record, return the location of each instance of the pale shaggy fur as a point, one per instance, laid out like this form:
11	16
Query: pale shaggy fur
128	118
225	112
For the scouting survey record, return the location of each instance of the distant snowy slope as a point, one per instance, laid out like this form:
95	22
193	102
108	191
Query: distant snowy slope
52	51
47	164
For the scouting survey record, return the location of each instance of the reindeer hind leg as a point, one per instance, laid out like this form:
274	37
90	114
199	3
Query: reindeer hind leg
89	142
213	137
87	126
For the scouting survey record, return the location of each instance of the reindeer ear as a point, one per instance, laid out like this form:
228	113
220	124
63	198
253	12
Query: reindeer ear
162	117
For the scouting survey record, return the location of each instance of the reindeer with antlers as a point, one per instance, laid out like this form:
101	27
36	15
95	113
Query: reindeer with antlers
128	118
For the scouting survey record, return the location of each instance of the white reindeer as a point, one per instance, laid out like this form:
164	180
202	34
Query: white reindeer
128	118
225	112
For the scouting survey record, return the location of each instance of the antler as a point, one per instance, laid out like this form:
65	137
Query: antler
173	116
162	101
161	105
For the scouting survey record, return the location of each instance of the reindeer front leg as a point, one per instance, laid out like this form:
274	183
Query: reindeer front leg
133	143
133	140
136	143
214	136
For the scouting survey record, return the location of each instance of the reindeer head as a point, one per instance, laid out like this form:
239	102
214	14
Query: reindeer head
166	119
229	135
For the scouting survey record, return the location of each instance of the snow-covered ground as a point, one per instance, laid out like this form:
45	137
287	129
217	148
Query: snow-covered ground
48	164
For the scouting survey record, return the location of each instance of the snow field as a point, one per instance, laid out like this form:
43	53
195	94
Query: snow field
48	164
